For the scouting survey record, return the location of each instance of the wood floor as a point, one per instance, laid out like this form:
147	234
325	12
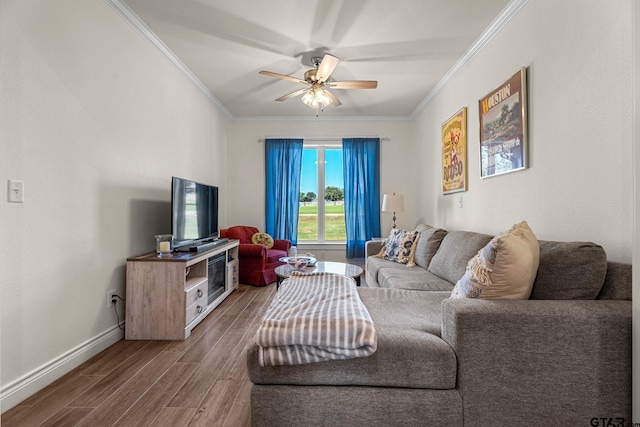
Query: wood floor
199	381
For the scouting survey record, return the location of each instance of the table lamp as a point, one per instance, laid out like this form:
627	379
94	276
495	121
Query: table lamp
393	203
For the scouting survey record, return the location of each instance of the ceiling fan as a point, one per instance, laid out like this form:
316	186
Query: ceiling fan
316	94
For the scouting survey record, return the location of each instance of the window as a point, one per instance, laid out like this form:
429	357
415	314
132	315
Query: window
321	215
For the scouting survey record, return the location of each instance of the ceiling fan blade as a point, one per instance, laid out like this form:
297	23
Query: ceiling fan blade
292	94
354	84
282	76
334	100
326	67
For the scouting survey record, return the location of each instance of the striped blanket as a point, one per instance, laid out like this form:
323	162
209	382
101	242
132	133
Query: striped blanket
315	317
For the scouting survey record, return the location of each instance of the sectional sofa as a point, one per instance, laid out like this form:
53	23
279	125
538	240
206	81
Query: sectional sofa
561	357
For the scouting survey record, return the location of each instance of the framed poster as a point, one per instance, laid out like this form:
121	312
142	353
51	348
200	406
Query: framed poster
503	127
454	153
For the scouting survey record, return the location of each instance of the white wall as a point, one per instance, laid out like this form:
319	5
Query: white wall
246	170
579	183
95	122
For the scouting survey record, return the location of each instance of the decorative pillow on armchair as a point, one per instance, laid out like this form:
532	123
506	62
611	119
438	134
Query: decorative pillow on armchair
400	246
504	269
262	239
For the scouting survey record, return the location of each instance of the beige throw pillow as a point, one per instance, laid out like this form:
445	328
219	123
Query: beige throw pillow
400	246
504	269
262	239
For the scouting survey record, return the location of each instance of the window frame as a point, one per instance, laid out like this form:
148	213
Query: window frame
321	146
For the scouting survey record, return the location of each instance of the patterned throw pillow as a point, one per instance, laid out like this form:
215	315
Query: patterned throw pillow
400	246
504	269
262	239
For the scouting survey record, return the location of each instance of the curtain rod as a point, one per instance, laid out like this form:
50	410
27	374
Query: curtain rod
321	138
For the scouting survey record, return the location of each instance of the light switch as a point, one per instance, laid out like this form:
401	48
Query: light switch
16	191
460	202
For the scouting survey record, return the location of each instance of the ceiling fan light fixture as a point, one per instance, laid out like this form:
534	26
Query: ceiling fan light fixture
322	96
308	97
316	97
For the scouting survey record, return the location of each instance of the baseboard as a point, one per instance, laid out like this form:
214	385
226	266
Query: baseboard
20	389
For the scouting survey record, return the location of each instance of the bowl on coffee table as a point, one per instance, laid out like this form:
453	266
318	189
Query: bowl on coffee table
299	263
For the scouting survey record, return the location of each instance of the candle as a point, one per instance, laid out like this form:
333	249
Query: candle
165	247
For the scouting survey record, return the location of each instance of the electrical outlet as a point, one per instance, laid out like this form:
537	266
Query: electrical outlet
110	297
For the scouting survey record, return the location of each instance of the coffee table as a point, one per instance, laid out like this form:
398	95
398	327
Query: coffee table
350	270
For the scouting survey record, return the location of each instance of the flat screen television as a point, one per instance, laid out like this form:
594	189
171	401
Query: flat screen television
194	212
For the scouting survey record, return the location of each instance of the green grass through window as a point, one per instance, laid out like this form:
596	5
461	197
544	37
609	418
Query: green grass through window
334	223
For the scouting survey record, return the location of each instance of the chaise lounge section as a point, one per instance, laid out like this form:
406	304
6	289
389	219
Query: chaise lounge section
562	357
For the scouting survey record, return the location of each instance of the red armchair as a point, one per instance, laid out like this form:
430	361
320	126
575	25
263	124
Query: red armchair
257	264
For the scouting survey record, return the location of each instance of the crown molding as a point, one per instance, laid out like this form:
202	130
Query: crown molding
323	119
494	28
134	20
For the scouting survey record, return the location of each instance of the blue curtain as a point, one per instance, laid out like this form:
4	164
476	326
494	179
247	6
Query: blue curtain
283	166
361	166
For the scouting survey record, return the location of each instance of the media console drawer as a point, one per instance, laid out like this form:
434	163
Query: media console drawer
233	273
197	293
194	311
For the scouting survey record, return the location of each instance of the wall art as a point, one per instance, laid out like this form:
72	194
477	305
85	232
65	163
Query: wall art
503	127
454	153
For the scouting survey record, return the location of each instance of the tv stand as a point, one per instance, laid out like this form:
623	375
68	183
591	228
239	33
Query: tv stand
168	296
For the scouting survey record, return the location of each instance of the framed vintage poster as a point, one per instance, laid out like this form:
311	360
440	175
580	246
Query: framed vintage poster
503	127
454	153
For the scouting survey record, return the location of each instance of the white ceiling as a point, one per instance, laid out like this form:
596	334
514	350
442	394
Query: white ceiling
408	46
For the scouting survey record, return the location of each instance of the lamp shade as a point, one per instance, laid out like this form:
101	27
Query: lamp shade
393	203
